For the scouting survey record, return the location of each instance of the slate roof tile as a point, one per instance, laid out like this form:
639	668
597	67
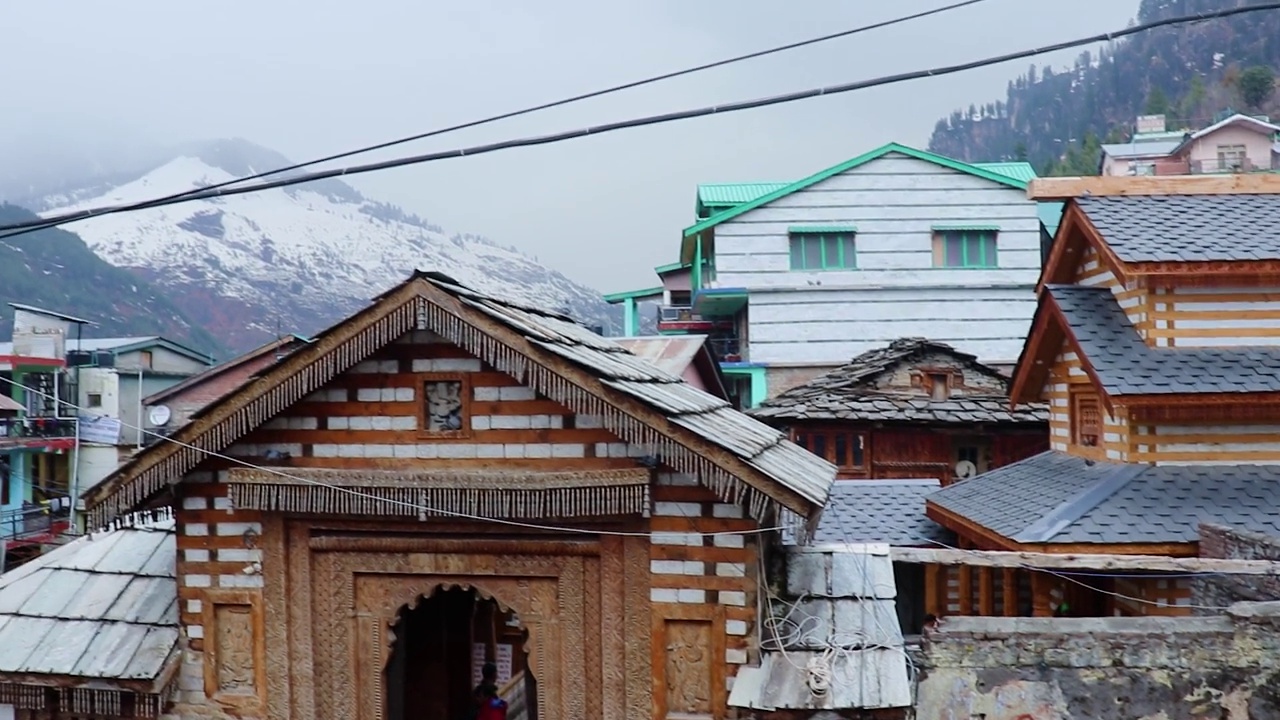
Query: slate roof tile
1182	228
879	511
1072	500
850	393
1128	366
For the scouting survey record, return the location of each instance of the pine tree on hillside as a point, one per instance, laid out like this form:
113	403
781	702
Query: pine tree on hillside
1257	85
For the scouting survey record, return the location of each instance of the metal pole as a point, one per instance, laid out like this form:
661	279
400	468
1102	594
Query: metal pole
75	479
140	422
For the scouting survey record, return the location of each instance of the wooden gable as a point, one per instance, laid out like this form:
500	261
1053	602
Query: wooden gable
423	423
741	460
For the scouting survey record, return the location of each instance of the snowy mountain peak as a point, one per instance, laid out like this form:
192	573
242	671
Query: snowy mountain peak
291	259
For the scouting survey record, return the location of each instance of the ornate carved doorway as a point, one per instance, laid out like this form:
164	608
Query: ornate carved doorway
439	646
335	592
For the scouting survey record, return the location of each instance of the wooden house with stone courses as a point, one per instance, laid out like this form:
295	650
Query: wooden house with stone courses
445	479
1156	342
899	422
914	408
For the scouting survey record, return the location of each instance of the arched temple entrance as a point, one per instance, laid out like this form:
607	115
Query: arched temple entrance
440	642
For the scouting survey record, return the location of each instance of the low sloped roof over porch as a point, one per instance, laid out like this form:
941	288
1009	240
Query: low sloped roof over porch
1057	498
96	617
743	460
879	511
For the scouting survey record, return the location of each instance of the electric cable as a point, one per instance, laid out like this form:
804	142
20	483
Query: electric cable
562	102
424	509
204	193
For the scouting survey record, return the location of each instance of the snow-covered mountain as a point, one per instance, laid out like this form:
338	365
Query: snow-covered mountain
249	267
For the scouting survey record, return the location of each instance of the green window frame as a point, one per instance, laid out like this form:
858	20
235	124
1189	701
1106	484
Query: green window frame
823	249
966	248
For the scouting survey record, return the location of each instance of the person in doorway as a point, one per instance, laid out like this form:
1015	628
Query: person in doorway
485	691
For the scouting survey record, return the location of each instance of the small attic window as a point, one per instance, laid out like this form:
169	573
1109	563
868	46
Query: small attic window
1086	420
939	386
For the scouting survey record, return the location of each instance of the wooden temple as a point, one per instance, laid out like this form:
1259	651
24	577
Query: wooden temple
447	479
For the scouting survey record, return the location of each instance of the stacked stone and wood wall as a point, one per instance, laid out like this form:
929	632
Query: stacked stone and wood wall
699	594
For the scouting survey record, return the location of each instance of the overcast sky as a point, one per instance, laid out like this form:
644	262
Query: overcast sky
313	77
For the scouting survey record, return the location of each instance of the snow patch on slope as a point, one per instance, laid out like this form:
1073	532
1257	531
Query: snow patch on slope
299	252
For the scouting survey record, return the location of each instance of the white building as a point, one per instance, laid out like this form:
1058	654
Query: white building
898	242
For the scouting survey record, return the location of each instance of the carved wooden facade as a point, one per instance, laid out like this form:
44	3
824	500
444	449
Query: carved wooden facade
309	534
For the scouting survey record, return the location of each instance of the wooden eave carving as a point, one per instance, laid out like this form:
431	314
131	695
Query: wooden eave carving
1066	188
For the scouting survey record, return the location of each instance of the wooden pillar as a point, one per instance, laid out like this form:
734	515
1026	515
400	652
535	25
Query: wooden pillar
935	590
1009	592
986	591
1040	601
966	590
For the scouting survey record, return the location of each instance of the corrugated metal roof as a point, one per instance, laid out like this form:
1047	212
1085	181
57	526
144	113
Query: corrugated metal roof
672	353
839	616
734	193
103	607
1017	170
1154	148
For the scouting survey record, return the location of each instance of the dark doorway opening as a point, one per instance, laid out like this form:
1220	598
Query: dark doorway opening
441	644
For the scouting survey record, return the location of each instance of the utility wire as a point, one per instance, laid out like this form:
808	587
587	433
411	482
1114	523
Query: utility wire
86	412
559	103
206	193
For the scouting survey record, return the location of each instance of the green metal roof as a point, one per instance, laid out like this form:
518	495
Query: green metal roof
691	232
734	193
614	298
1016	170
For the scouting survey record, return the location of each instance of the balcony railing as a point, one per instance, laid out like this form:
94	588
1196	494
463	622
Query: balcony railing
728	349
37	427
677	313
1223	165
35	519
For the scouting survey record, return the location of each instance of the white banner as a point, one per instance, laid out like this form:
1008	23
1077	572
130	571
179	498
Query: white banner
100	430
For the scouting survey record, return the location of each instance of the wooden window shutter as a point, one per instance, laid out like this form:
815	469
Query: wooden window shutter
1086	420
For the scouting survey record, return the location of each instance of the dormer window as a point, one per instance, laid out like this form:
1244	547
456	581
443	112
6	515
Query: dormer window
939	386
1086	420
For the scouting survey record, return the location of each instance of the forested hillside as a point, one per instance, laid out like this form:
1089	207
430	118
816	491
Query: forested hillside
53	269
1055	118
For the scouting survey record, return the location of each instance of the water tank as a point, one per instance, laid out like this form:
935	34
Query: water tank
79	358
106	359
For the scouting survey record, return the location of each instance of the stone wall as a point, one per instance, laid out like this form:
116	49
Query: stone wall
1219	541
1223	666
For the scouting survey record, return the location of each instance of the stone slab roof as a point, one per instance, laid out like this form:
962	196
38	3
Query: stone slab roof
1054	497
1187	228
850	393
102	608
1126	365
879	511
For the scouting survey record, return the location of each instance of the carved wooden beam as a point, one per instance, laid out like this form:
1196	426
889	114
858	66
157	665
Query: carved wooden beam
1051	561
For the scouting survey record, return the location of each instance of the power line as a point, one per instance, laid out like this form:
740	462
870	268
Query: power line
763	530
560	103
484	149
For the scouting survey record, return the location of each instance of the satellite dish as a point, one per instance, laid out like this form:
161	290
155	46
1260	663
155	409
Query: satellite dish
159	415
966	469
